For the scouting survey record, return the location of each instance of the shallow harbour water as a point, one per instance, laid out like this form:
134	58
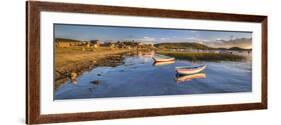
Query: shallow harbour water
139	76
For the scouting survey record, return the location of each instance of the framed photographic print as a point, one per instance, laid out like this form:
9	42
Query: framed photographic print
92	62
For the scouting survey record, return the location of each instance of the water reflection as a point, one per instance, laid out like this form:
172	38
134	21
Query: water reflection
140	75
183	78
146	54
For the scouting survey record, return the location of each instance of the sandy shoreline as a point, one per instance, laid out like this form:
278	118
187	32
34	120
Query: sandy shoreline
71	62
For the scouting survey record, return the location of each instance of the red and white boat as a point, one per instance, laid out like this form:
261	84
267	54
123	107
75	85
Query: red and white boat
186	70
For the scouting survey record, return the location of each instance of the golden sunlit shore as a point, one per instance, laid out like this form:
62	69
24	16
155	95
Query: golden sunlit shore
72	61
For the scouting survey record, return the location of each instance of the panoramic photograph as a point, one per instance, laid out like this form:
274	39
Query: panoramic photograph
92	61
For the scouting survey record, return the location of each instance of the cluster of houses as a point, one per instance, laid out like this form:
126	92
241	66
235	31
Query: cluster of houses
65	43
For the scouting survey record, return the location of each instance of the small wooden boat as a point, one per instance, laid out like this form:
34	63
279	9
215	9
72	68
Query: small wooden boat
162	58
163	63
185	70
184	78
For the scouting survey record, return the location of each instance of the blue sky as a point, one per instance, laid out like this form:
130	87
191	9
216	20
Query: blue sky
107	33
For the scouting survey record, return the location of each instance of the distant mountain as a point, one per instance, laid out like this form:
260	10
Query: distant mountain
237	48
222	48
185	45
244	43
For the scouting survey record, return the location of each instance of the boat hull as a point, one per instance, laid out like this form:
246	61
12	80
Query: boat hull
163	63
163	59
190	70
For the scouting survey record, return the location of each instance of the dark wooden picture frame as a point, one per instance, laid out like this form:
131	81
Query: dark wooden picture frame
33	9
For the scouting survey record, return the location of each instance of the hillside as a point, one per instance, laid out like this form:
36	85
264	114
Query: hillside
244	43
237	48
182	46
65	40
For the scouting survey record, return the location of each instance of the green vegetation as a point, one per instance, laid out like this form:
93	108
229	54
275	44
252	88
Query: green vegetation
195	56
182	46
239	49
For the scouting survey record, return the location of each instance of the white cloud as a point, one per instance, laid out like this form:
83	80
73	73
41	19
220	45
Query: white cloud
192	38
146	38
143	39
164	39
219	39
197	40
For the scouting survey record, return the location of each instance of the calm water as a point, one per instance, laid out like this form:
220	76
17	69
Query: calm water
138	76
